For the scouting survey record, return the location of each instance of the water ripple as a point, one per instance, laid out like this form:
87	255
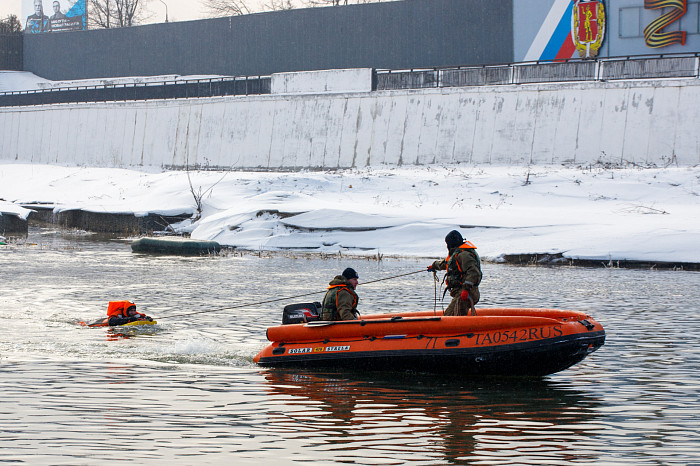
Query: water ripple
186	391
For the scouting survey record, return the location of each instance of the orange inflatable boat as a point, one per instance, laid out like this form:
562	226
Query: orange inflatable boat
531	342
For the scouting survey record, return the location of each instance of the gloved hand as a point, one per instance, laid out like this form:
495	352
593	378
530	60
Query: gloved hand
147	318
464	296
431	268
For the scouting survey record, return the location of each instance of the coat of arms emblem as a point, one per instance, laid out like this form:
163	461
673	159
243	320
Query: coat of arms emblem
588	27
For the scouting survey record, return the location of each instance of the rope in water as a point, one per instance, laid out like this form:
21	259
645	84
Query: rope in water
238	306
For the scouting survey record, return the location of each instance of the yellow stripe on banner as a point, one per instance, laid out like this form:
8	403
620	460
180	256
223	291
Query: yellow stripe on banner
656	4
653	36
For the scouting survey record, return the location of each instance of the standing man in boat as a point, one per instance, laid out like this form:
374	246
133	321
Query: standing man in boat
463	275
340	302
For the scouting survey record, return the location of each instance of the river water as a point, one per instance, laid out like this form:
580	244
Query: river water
187	392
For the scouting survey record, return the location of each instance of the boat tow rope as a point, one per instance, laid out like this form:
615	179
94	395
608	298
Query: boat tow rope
238	306
436	280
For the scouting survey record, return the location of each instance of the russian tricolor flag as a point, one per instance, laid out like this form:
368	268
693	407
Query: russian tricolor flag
554	41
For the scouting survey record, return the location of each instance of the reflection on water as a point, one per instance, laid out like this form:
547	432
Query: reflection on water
115	333
186	390
433	419
98	411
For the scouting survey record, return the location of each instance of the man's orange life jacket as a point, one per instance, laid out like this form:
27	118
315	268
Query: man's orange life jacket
454	278
330	301
119	308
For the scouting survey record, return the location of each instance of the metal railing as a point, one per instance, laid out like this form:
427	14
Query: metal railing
172	89
661	67
604	69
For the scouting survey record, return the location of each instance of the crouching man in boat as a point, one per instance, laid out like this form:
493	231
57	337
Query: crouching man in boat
123	312
463	275
340	301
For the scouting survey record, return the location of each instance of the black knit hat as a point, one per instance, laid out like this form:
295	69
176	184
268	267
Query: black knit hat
453	239
350	273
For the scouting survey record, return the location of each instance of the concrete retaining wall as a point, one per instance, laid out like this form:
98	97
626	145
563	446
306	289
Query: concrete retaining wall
310	82
637	121
103	222
12	225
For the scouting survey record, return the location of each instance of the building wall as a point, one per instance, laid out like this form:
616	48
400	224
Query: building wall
392	35
653	121
401	34
11	52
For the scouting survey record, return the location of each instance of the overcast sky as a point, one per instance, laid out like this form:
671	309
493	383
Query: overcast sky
178	10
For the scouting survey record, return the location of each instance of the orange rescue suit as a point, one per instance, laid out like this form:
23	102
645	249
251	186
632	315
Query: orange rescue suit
119	308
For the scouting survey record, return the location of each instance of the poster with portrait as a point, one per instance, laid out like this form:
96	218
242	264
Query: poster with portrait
53	15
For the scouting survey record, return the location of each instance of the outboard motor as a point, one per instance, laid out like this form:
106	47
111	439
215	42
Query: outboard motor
300	313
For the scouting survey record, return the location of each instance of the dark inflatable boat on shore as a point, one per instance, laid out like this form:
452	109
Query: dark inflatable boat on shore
175	245
522	342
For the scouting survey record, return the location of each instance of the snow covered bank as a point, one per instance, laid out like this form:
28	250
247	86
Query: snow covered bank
590	212
8	208
13	81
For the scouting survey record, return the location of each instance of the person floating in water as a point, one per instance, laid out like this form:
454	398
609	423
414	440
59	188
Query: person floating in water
123	312
120	313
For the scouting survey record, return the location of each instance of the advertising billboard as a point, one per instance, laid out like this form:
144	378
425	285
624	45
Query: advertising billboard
53	15
555	29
